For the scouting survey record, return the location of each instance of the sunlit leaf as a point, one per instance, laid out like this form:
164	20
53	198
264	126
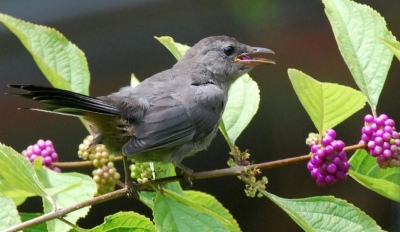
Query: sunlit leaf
357	28
325	213
18	173
62	62
366	171
327	104
242	105
175	212
177	49
68	189
8	213
394	46
125	221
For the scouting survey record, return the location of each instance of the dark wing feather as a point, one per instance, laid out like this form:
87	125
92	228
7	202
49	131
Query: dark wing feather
165	124
66	102
170	122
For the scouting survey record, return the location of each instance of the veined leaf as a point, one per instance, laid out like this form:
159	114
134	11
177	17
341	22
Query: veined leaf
62	62
175	212
357	28
125	221
18	173
327	104
394	46
67	189
365	170
242	105
8	213
325	213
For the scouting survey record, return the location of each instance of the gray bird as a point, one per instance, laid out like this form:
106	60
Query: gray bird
170	115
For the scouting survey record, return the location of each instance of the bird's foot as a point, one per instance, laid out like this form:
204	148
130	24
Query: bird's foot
131	193
187	174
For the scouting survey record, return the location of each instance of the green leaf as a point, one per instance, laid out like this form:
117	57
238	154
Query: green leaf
8	189
62	62
175	212
394	46
36	228
8	213
357	28
214	205
68	189
134	80
327	104
365	170
17	173
325	213
177	49
125	221
242	105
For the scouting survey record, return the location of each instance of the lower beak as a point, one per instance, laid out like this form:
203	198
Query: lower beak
249	61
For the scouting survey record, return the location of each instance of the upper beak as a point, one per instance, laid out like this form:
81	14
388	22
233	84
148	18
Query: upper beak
248	61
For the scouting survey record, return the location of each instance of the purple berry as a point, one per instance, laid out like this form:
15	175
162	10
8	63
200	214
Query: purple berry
331	133
329	162
368	118
45	149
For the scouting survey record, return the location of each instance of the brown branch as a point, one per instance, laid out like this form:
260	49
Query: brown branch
233	171
62	212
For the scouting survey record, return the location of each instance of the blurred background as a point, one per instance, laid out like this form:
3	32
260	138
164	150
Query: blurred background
117	38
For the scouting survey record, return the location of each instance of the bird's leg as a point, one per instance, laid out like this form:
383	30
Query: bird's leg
187	174
128	182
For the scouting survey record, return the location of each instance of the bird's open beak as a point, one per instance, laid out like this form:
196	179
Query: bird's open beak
248	61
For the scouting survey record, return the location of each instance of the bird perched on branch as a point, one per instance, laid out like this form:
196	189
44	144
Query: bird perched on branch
170	115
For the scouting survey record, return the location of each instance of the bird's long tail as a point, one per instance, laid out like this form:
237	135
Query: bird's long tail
67	102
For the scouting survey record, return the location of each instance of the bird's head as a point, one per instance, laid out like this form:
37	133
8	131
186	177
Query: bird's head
225	56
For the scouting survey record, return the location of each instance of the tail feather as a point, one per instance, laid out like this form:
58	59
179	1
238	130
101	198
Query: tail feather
66	102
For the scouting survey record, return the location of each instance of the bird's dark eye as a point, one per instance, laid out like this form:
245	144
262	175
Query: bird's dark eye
229	50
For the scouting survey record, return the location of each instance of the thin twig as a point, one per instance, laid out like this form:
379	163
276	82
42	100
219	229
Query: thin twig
62	212
233	171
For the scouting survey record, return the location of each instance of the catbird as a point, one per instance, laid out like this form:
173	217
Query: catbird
170	115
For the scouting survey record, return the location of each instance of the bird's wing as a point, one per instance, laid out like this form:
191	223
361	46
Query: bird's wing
165	124
169	122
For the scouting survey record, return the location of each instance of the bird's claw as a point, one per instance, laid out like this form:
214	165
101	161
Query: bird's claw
187	180
131	193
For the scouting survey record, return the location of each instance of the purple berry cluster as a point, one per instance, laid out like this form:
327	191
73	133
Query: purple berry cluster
382	140
329	162
46	150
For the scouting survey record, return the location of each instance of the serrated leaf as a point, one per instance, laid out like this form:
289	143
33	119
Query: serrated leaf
175	212
177	49
62	62
394	46
211	203
8	213
125	221
242	105
327	104
77	188
325	213
356	28
18	173
365	170
36	228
